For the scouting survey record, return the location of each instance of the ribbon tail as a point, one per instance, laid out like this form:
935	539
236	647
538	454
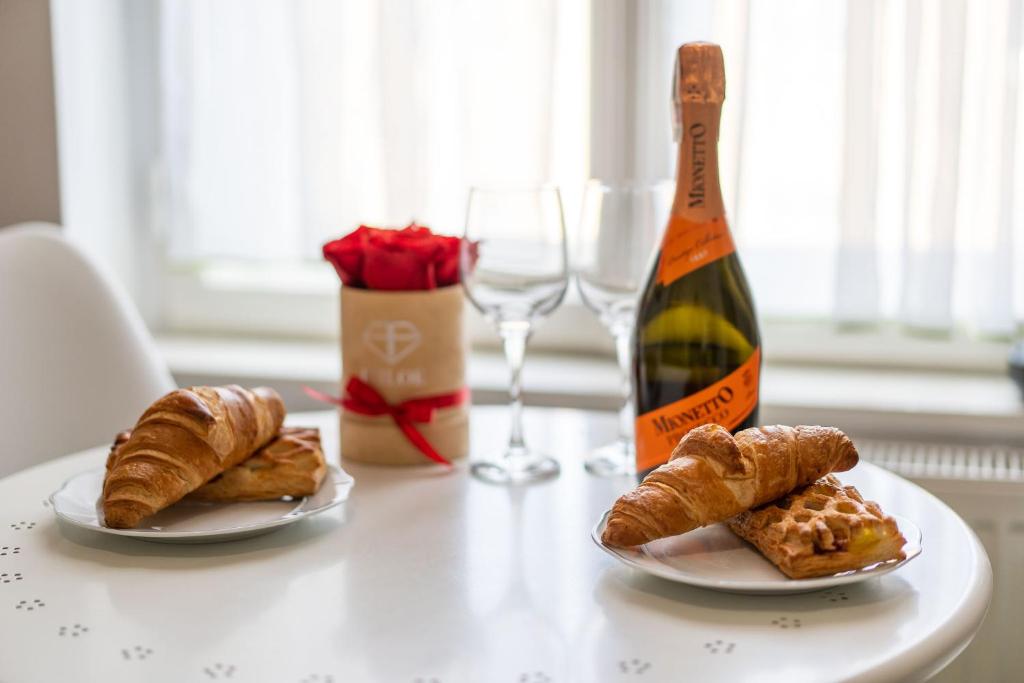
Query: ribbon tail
420	441
321	396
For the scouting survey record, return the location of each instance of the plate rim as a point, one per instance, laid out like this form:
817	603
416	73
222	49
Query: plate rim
343	483
910	530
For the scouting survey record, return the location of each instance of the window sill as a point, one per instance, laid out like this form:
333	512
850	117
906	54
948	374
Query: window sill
300	300
879	403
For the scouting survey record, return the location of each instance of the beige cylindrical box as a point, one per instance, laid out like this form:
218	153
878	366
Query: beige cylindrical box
405	345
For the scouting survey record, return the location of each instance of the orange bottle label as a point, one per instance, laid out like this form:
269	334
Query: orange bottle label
688	245
727	402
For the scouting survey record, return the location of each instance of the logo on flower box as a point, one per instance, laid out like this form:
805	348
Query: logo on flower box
391	340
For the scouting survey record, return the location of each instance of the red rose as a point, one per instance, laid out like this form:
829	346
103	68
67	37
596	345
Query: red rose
448	261
409	259
346	255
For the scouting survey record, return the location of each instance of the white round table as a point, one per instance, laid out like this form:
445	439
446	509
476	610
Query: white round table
426	577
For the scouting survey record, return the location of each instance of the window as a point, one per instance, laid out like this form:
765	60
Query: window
871	150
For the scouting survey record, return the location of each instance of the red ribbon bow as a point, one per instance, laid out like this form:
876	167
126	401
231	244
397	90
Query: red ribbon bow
362	398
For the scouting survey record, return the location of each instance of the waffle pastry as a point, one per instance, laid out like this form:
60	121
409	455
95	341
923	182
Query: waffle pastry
823	528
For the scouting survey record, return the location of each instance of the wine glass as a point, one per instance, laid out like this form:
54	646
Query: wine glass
619	225
514	268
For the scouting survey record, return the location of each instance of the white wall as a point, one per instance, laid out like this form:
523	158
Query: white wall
29	187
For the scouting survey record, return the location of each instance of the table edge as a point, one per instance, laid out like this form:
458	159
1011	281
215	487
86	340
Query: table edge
931	653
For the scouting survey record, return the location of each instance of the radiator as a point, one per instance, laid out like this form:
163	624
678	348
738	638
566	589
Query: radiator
985	485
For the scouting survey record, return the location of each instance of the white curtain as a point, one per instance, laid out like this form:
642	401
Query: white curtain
288	123
872	159
873	163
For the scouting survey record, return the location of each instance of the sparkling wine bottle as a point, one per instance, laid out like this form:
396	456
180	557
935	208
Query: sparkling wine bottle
697	347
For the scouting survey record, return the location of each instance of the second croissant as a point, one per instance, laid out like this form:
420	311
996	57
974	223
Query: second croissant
713	475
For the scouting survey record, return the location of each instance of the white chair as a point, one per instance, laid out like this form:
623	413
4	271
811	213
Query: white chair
76	361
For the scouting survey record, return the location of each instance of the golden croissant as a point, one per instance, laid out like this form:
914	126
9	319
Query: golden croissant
713	475
291	464
182	441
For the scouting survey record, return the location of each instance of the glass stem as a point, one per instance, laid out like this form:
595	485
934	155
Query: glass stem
514	336
623	352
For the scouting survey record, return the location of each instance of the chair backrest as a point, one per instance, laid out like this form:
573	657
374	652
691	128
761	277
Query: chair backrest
76	361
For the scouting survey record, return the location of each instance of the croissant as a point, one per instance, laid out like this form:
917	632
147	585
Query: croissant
713	476
182	441
291	464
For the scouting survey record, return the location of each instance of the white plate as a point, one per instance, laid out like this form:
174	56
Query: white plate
77	503
714	557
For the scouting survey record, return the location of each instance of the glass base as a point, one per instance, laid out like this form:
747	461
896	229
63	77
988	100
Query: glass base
516	468
614	460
